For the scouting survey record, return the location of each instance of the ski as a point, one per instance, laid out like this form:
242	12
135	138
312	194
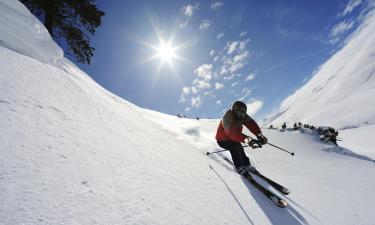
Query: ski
279	202
275	185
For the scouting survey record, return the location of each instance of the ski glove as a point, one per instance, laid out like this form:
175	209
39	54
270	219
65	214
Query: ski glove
262	139
248	140
254	143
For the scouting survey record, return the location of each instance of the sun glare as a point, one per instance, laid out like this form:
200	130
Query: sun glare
166	52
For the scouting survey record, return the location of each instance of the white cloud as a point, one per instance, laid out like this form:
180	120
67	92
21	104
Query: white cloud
182	98
218	102
236	66
189	9
254	107
196	102
204	71
230	59
234	83
231	47
241	57
186	90
205	24
243	44
352	4
220	35
246	92
183	25
338	30
250	77
216	5
188	12
209	94
223	71
229	77
218	86
236	57
243	33
201	84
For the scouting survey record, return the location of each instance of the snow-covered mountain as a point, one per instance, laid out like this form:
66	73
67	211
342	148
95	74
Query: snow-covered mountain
341	92
74	153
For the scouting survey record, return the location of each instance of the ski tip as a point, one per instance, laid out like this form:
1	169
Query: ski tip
282	203
207	153
285	191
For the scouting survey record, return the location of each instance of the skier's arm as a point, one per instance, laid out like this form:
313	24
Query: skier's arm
252	125
255	129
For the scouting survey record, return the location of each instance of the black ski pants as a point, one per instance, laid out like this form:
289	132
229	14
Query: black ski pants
237	152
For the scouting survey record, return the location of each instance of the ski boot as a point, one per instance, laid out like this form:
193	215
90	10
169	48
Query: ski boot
246	169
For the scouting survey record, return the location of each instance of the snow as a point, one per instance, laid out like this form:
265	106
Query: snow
341	92
74	153
23	33
359	140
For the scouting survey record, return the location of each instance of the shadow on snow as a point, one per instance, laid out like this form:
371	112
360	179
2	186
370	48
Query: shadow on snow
288	215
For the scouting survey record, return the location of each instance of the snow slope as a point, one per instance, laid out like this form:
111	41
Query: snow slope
342	91
22	32
359	140
73	153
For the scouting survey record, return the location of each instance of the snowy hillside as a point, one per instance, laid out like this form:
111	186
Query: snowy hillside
23	33
342	91
74	153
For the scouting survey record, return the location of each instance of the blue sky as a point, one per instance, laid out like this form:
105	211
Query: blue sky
256	51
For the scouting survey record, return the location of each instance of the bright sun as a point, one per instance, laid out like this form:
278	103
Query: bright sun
166	52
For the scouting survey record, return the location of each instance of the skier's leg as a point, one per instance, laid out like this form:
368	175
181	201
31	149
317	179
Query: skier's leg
245	159
237	152
234	149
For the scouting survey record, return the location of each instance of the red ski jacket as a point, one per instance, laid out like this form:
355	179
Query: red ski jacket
230	127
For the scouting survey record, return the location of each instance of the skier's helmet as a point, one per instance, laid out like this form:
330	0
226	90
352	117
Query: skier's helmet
239	106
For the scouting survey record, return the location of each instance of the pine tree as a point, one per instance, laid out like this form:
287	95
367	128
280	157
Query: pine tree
73	21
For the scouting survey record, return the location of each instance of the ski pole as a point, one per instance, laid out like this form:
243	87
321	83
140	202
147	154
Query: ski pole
216	152
252	146
292	153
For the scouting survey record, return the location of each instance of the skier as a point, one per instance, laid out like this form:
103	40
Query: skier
229	135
